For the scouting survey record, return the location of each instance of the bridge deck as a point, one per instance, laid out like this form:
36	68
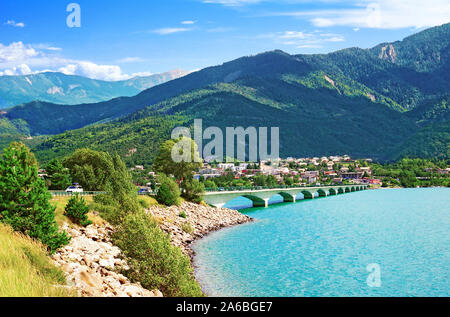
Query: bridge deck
260	197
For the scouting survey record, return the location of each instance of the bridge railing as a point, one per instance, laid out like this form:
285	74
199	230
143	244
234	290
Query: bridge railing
252	188
65	194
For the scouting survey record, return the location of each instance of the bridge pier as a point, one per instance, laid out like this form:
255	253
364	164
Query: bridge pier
266	202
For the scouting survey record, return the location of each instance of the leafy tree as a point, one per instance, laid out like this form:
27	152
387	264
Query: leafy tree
77	211
210	184
289	181
121	196
59	176
91	169
165	163
168	192
193	191
25	200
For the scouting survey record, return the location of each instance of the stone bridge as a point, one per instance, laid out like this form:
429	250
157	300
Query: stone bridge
260	198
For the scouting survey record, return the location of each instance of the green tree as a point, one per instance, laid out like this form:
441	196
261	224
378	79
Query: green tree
165	163
77	211
168	192
59	176
289	181
25	200
121	196
210	184
91	169
260	180
193	191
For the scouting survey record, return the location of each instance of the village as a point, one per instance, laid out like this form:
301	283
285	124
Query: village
315	171
333	170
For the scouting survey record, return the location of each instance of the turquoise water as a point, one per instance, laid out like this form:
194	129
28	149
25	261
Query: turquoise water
322	247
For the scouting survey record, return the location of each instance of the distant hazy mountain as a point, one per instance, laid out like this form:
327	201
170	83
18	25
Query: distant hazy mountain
383	102
71	90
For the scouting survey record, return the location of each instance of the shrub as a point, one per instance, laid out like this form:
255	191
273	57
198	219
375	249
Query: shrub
77	211
183	215
187	227
143	203
153	260
25	200
193	191
168	192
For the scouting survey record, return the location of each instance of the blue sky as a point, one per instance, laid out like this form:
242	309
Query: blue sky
120	39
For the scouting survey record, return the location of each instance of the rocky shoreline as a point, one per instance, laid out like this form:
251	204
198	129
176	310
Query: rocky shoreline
91	262
190	222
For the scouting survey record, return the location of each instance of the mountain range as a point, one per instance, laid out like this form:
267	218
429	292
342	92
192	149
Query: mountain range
64	89
385	102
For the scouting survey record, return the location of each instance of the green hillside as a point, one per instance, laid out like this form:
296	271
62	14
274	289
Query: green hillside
430	142
352	125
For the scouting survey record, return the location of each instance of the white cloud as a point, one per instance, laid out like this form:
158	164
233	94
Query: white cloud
188	22
141	74
23	59
292	35
15	52
166	31
92	70
130	60
15	24
47	47
22	69
303	39
379	14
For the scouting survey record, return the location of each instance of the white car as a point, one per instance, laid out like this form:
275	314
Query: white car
75	188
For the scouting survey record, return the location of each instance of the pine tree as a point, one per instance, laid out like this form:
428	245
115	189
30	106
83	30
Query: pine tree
77	211
25	200
59	175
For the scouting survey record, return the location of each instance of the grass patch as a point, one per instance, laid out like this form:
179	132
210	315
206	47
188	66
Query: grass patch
147	201
26	270
61	202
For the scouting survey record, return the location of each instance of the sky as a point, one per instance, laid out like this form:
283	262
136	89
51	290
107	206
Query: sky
117	39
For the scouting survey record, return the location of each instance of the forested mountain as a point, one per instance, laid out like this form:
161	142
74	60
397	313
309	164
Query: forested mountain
72	90
384	102
341	125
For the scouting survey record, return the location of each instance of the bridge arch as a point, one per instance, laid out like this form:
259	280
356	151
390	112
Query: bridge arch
308	194
322	193
353	189
257	202
333	191
348	190
287	198
341	190
300	196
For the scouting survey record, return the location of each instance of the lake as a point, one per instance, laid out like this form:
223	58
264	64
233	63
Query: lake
392	242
